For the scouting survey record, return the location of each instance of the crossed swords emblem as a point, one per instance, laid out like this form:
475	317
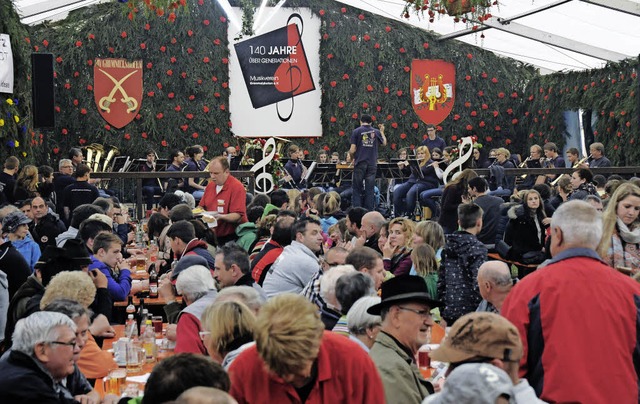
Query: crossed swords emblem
131	102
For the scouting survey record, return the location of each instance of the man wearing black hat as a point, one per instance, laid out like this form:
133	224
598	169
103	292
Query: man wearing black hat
406	319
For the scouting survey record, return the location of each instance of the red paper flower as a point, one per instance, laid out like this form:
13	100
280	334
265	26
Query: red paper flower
361	64
330	56
399	93
354	38
394	125
67	86
217	132
169	72
498	128
501	95
355	115
91	36
341	133
59	59
83	111
163	48
144	135
194	135
345	76
494	80
321	12
177	108
190	33
343	10
386	90
340	104
467	104
123	34
333	83
57	108
469	56
365	105
171	95
402	50
143	46
407	69
174	41
332	24
332	119
163	143
147	27
366	37
467	77
403	136
149	65
473	113
369	87
78	44
127	136
481	124
509	111
379	68
325	36
376	46
469	127
225	61
160	115
64	131
205	109
387	28
107	127
485	106
184	127
414	125
456	117
150	94
514	95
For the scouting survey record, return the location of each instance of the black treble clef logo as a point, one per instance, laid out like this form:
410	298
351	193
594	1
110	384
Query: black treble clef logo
291	69
264	180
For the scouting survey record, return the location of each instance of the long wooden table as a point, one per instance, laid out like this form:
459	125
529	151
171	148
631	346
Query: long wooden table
146	368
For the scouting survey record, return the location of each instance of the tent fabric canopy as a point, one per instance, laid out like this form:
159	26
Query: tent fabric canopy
553	35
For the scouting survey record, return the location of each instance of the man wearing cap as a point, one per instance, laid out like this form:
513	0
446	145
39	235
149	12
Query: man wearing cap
488	338
47	225
406	319
578	317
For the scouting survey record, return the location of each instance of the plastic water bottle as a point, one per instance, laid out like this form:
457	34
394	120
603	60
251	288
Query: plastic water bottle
131	328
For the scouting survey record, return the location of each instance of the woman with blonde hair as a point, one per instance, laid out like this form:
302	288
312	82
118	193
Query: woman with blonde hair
453	195
331	212
620	243
229	328
425	264
430	233
396	252
27	183
405	195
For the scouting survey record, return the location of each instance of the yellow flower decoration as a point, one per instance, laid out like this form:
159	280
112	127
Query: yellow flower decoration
1	122
24	154
9	101
16	143
16	118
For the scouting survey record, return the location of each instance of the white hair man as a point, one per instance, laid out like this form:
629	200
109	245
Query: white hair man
576	303
494	283
40	366
197	288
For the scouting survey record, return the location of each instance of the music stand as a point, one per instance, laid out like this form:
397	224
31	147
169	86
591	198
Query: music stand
321	174
415	168
388	172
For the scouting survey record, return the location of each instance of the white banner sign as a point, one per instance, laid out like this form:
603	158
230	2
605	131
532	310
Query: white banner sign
274	75
6	65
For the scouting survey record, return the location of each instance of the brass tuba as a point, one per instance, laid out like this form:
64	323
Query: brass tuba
112	153
94	153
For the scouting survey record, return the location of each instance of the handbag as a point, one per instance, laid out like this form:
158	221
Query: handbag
503	249
533	257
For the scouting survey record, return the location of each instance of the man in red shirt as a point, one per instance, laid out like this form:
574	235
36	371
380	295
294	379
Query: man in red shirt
296	361
226	197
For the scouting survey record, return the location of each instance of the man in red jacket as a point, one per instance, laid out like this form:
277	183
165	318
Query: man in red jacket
226	197
577	317
296	361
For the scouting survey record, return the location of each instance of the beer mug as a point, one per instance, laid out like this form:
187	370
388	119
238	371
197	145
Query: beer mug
115	382
135	357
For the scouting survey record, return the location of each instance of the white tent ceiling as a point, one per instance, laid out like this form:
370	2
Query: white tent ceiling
563	35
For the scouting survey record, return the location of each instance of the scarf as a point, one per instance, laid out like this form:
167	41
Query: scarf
629	236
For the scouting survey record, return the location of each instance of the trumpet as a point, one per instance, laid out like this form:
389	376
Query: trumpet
576	165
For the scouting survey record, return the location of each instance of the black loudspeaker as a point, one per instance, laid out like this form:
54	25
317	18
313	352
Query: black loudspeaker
42	90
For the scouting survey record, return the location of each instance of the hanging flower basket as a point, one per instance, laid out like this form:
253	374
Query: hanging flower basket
473	9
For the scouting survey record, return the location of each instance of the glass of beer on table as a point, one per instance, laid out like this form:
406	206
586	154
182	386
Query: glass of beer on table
115	382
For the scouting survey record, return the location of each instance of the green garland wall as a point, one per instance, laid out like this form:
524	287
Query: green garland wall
365	62
611	92
15	109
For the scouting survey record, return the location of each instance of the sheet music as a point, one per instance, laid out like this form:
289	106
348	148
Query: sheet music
310	171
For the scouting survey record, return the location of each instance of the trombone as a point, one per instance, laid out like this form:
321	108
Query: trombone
576	165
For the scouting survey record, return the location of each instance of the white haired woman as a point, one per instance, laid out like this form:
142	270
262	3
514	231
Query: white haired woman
196	286
363	327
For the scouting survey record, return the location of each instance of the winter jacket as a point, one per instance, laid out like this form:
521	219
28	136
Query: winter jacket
401	378
247	234
522	234
15	266
291	271
584	190
118	284
29	250
451	199
458	276
4	302
189	325
47	229
199	247
62	238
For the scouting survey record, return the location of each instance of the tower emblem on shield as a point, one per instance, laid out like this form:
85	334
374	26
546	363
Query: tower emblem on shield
117	89
433	89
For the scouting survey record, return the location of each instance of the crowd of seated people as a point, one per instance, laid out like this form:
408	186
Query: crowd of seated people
292	298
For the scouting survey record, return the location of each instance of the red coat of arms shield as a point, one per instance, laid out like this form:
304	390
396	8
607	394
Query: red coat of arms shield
117	89
433	84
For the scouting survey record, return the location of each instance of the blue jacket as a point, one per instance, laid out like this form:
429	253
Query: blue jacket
29	250
119	285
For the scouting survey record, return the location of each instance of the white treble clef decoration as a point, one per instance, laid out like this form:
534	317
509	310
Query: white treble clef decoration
264	180
457	163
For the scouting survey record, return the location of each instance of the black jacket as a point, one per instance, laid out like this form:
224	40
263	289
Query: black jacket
24	380
47	229
522	234
458	276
